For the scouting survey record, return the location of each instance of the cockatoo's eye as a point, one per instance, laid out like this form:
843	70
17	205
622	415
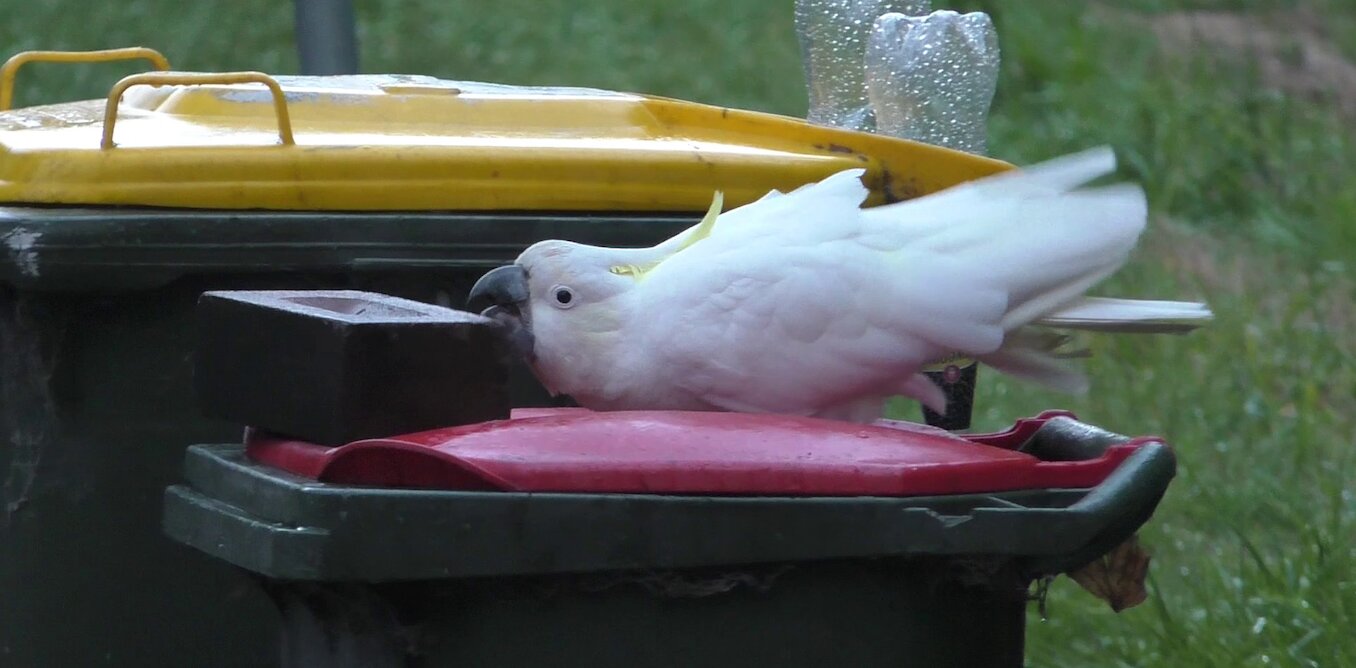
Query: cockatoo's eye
562	296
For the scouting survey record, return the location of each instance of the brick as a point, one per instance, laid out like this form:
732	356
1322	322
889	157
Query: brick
335	366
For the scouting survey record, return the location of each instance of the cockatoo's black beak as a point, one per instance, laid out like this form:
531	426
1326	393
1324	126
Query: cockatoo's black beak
505	286
502	295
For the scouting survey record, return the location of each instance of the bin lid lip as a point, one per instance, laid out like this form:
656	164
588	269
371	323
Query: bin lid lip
692	453
413	143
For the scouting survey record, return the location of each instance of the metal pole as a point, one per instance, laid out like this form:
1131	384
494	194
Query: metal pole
327	39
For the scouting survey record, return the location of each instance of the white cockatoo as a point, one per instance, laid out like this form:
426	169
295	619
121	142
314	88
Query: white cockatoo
805	303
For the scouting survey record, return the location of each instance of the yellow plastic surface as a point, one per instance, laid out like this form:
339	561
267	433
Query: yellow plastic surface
415	143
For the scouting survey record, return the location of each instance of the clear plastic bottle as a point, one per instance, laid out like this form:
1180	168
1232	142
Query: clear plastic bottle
932	78
833	35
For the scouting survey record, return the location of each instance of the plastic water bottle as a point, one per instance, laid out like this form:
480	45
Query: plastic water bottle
833	35
932	78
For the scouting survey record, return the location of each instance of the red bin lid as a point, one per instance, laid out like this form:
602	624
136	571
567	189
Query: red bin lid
663	452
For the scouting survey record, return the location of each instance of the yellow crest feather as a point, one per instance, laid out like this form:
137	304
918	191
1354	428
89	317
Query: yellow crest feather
702	231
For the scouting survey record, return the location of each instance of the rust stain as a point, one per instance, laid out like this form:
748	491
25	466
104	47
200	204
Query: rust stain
886	182
894	191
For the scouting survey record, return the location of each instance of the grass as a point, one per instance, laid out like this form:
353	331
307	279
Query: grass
1254	201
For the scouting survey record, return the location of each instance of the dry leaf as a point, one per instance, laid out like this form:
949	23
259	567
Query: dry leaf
1117	577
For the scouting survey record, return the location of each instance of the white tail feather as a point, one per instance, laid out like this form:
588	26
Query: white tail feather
1039	367
1036	355
1138	316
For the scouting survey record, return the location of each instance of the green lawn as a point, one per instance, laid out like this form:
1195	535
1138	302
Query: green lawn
1252	179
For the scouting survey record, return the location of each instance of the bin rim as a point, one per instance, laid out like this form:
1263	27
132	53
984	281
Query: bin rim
281	525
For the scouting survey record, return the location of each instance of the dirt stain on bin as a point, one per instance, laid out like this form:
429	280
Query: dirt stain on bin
21	244
27	412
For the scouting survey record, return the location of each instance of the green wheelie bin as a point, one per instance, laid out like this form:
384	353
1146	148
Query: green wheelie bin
116	214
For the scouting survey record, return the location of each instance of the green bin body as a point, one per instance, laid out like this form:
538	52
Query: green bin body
374	576
97	330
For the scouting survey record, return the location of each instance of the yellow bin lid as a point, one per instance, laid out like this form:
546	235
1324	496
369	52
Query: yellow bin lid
246	140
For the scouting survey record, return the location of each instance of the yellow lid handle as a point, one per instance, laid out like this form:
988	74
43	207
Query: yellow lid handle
11	67
195	78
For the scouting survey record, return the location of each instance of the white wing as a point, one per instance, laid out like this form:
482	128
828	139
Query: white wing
804	301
